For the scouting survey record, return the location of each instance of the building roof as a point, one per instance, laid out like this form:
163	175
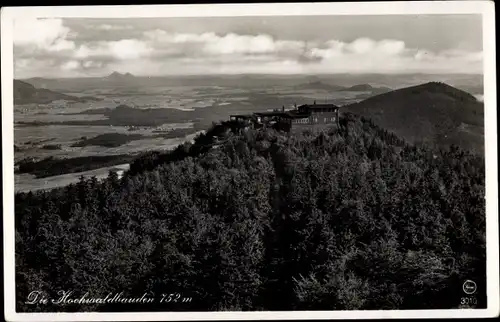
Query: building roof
296	114
318	106
243	116
288	114
271	114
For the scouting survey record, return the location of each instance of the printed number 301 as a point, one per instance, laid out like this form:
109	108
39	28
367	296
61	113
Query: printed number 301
468	301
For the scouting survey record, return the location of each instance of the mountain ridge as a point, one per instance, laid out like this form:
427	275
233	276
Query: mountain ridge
433	112
26	93
317	84
116	76
368	88
320	85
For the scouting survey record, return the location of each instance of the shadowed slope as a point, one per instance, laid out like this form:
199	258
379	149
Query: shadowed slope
25	93
434	113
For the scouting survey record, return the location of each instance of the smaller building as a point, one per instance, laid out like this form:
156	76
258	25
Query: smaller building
241	117
269	117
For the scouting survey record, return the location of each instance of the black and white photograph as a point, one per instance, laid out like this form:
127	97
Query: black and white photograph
250	159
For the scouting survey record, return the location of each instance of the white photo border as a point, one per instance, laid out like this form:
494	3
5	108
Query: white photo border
484	8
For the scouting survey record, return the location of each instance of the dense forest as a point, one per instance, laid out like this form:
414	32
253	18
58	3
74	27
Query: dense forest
345	219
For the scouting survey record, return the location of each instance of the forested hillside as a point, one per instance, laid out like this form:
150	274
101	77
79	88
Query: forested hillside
352	218
433	113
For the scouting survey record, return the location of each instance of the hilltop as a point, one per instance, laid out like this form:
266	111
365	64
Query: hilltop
115	76
318	85
25	93
359	87
434	113
367	88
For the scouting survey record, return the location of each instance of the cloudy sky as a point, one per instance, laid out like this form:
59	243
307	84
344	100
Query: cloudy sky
234	45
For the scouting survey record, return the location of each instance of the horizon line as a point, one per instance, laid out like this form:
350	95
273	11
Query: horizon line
254	74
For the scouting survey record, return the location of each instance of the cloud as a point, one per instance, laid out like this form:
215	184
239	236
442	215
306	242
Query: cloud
71	65
42	34
210	43
129	49
361	48
125	49
58	50
89	64
236	44
390	47
360	55
108	27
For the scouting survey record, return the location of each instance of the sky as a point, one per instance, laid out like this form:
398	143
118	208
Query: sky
59	47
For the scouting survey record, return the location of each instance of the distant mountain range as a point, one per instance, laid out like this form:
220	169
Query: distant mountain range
435	113
319	85
470	83
367	88
115	76
60	83
25	93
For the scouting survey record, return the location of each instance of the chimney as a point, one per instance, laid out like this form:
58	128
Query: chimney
283	109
